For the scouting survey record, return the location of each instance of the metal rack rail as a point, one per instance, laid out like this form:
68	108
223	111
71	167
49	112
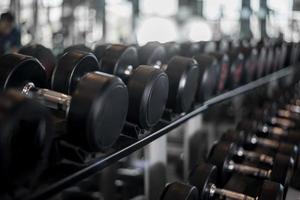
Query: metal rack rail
126	145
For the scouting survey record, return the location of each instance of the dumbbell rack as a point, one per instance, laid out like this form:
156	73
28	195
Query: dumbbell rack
127	145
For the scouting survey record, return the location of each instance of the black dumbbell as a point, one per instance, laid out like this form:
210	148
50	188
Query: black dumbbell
251	141
222	155
261	62
96	112
236	58
179	191
26	135
204	177
148	87
43	54
208	84
183	73
251	59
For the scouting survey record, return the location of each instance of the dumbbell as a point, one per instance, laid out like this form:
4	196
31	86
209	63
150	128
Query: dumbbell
236	58
262	57
222	155
209	83
179	191
204	178
148	87
26	135
94	115
172	49
183	74
251	57
251	141
43	54
223	68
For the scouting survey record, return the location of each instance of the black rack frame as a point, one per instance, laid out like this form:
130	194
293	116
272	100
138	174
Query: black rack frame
130	145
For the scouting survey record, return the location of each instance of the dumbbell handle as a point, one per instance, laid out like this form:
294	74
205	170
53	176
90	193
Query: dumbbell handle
49	98
230	194
253	156
274	131
286	123
268	143
249	170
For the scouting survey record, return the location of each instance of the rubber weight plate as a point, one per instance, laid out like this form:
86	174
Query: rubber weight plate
223	71
220	155
172	49
70	68
148	93
236	68
179	191
207	85
97	111
78	47
43	54
152	53
117	59
202	176
282	169
16	70
183	76
190	49
100	50
271	190
26	134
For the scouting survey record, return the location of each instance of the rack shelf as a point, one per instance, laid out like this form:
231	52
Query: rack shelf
125	146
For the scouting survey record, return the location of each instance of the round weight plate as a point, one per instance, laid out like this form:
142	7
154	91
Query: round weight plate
100	50
202	177
208	83
70	68
223	70
179	191
262	56
25	139
43	54
16	70
119	60
271	190
270	60
152	53
172	49
236	68
289	150
282	169
183	76
148	93
97	111
220	155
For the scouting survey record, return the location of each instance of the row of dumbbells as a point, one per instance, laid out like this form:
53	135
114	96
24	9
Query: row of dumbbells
93	94
264	146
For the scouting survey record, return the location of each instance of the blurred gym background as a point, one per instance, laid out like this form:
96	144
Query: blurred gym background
60	23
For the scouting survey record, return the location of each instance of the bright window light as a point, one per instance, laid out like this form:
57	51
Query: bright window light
156	29
197	30
159	7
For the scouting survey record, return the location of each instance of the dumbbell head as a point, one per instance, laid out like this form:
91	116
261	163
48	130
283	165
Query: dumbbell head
282	169
26	134
207	86
220	155
202	177
237	137
98	110
117	59
191	49
43	54
152	53
148	87
236	58
179	191
148	93
16	70
183	74
70	68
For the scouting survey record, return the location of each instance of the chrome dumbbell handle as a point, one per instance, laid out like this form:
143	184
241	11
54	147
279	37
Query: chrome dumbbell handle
249	170
229	194
253	156
273	144
49	98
